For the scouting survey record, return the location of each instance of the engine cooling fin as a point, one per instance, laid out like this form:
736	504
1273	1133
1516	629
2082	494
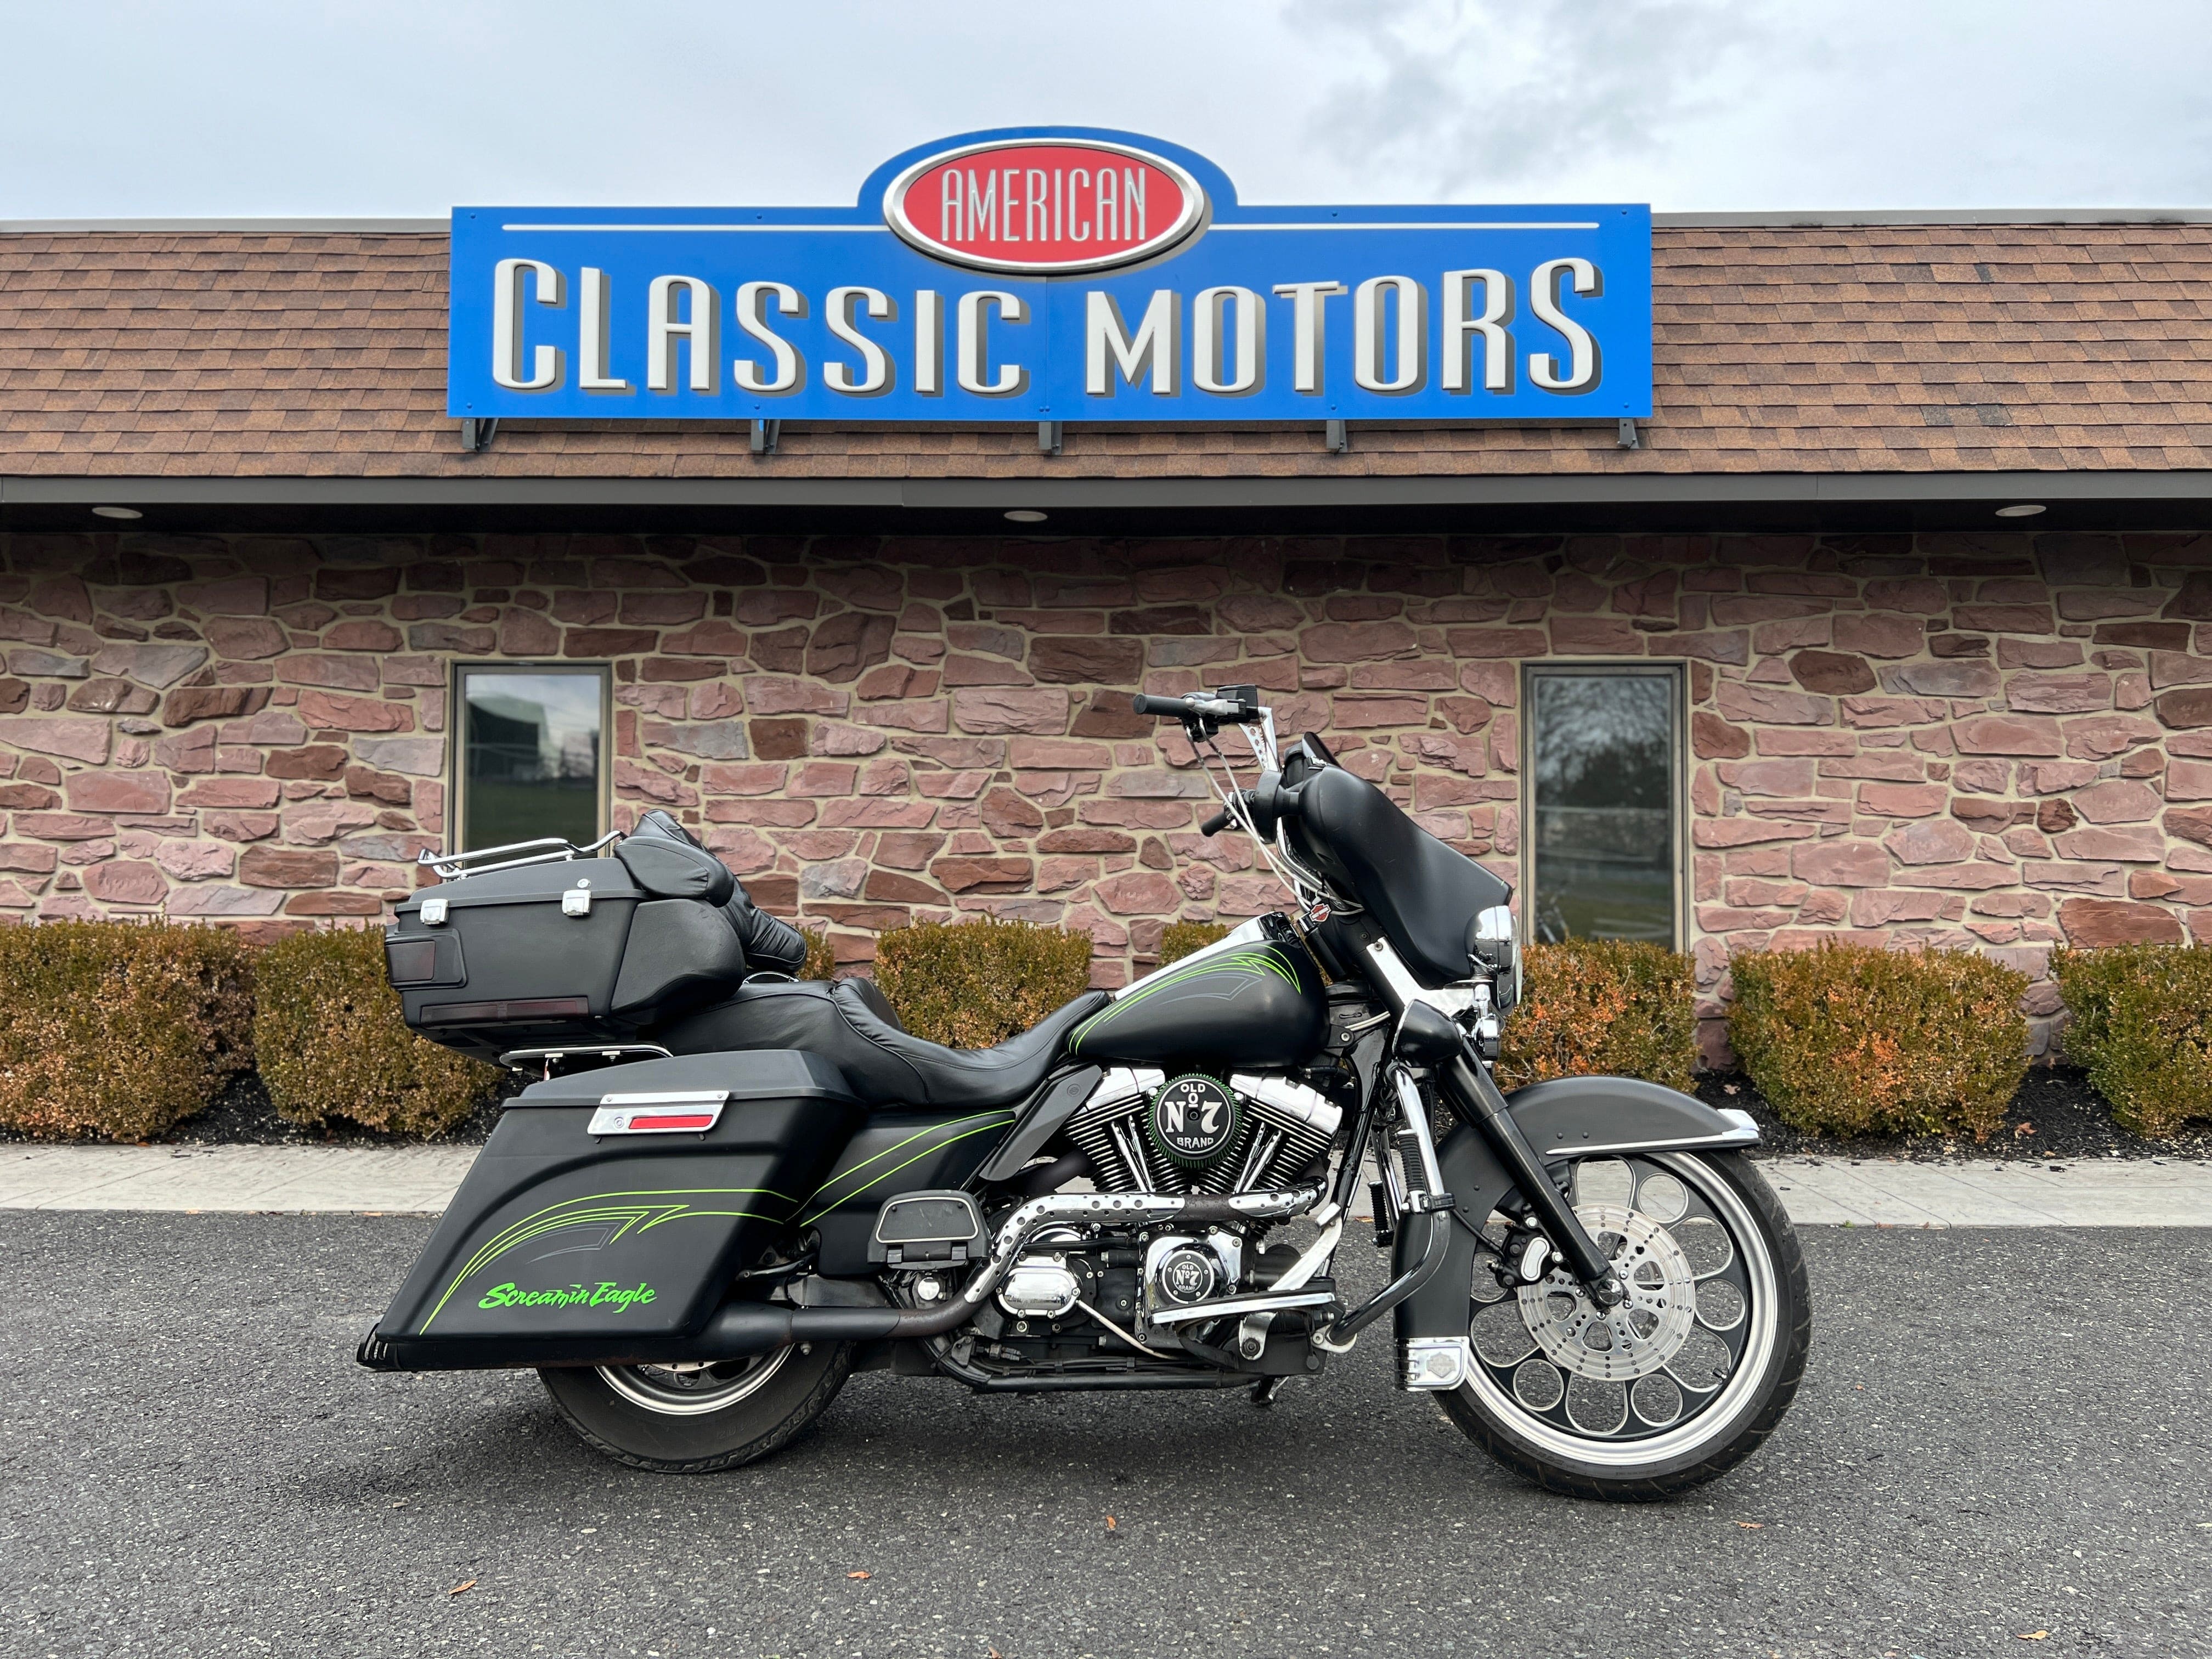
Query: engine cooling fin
1284	1126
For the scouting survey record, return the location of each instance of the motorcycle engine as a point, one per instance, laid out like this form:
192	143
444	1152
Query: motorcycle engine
1040	1295
1180	1270
1063	1270
1146	1131
1199	1132
1049	1295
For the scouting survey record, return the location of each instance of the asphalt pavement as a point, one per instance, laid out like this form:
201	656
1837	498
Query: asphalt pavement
2004	1434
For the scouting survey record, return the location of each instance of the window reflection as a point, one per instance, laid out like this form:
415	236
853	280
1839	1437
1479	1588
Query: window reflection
530	757
1602	778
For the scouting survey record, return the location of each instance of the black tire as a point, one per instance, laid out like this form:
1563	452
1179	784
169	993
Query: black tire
1745	1412
687	1433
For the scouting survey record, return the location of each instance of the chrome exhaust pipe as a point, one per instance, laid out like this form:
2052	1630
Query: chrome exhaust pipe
741	1328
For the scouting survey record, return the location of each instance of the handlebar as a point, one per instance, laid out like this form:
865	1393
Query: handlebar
1197	706
1204	713
1266	806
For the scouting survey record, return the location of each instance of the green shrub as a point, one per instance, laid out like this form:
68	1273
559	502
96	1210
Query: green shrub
1855	1040
2142	1026
331	1042
1179	938
821	960
1603	1007
971	984
119	1029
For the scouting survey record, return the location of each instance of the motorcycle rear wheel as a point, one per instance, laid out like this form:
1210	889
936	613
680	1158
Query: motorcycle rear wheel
1683	1381
700	1420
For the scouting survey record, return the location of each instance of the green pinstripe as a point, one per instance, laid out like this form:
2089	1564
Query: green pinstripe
983	1123
640	1216
1236	962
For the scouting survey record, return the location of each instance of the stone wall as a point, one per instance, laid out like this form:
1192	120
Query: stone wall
1995	741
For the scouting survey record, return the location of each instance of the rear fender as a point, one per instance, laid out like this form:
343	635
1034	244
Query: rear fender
1567	1118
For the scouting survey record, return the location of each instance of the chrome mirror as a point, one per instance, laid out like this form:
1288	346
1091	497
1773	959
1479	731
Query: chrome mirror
1491	945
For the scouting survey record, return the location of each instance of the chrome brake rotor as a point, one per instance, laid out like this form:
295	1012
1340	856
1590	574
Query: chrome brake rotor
1646	1330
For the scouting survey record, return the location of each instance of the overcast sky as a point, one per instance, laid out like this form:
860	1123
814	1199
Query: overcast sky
403	107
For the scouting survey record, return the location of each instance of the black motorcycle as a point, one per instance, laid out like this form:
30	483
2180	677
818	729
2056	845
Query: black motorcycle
729	1189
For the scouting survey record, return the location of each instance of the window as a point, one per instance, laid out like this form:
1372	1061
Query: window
1604	769
531	754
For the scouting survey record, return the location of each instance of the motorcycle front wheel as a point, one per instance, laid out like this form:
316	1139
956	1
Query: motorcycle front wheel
702	1418
1684	1379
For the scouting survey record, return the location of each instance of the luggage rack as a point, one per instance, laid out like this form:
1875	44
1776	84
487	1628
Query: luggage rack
552	849
607	1053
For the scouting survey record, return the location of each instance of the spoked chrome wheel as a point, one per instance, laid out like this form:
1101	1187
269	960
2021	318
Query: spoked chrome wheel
693	1390
1682	1378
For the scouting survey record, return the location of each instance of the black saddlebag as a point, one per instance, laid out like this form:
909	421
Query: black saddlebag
565	1246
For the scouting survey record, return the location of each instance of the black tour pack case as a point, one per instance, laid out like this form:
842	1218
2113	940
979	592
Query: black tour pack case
559	948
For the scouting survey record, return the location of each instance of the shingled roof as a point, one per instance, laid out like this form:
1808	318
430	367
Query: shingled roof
1864	348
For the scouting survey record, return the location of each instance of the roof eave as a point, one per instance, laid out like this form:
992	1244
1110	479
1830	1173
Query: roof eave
1643	489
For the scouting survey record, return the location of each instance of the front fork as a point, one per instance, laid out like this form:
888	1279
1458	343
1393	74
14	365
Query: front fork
1420	1200
1431	1363
1427	1036
1421	1195
1474	1095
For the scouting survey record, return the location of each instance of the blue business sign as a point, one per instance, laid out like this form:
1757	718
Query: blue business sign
1057	273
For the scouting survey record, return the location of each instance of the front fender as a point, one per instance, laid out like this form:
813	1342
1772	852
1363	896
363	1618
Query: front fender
1567	1118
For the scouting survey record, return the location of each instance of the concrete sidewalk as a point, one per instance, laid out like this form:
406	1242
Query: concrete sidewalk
421	1180
297	1180
1981	1193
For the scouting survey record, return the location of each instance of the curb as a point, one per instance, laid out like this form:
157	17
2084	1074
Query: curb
279	1180
420	1181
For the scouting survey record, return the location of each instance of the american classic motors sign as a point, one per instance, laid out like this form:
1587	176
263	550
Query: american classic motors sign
1060	273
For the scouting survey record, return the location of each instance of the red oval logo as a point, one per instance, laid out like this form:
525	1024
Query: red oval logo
1044	206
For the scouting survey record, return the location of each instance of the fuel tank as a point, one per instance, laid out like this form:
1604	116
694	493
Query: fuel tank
1255	998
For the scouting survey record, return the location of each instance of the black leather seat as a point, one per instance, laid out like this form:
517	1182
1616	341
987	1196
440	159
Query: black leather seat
887	1065
668	861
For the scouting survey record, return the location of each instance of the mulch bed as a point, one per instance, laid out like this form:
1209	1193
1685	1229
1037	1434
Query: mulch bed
2055	1118
242	1116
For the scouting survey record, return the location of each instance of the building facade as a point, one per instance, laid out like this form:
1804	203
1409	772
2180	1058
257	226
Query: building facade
1782	662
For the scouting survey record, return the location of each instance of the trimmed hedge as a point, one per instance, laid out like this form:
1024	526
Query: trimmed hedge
1179	938
1855	1040
821	960
971	984
120	1030
331	1042
2142	1027
1603	1007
